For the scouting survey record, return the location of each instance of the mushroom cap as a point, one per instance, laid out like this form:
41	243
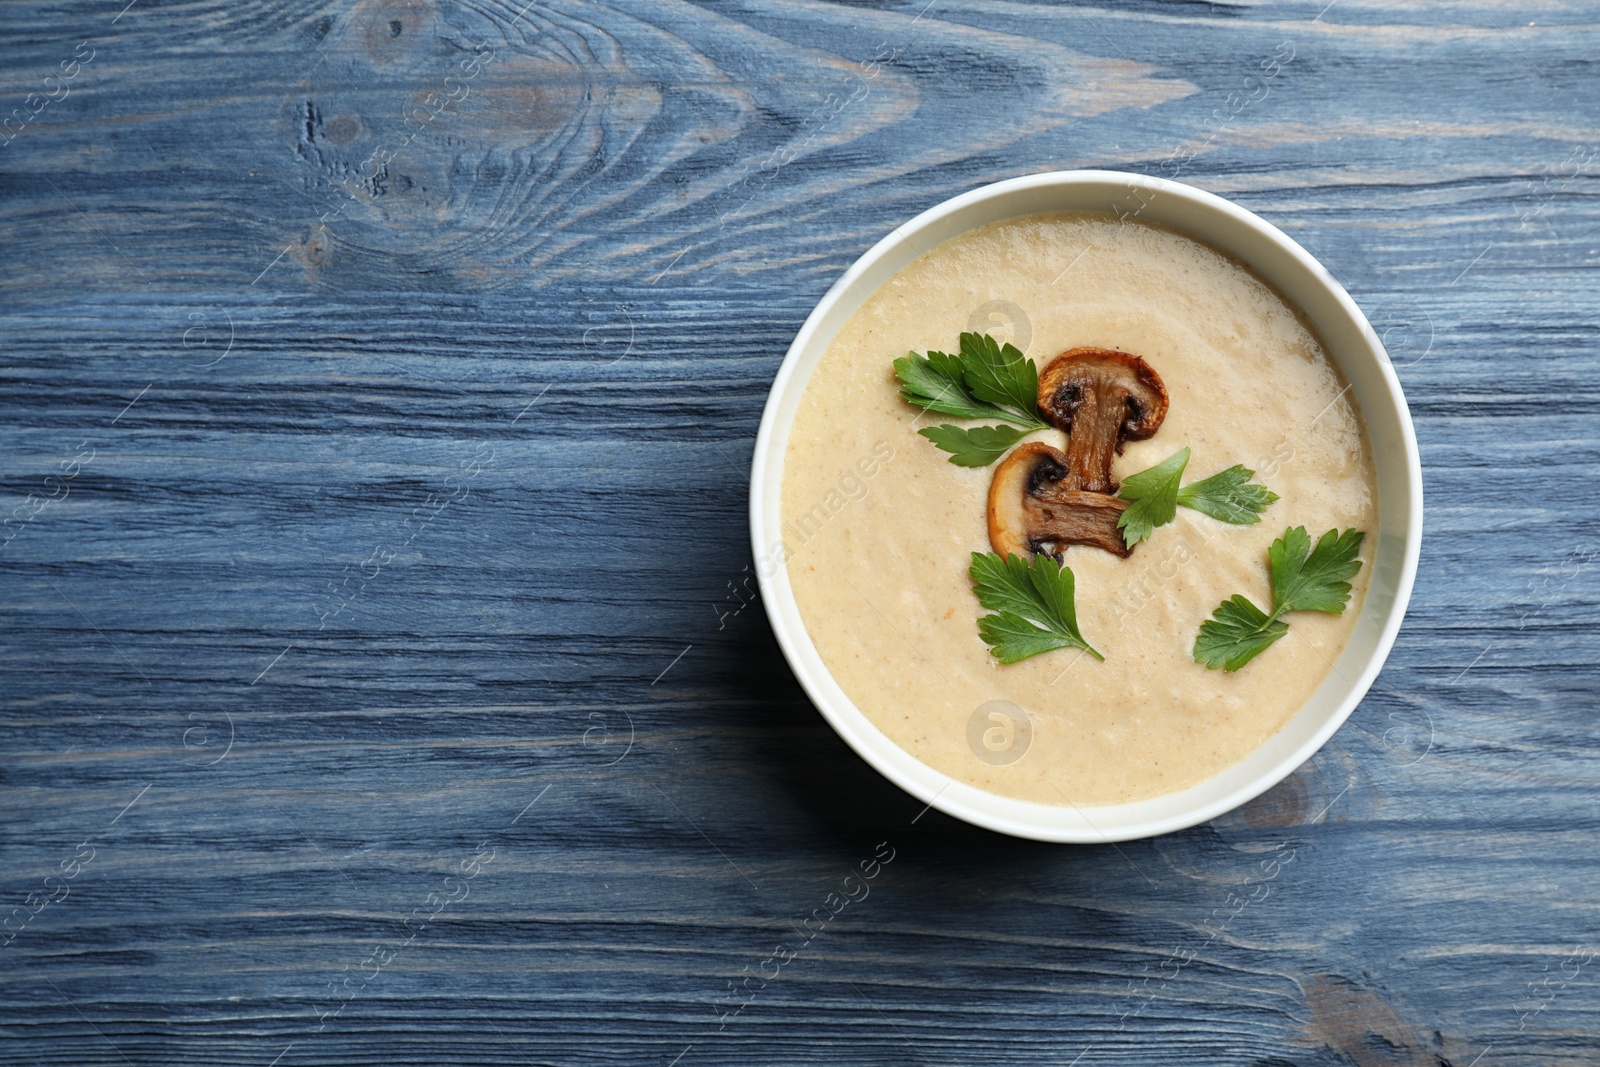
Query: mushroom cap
1065	384
1008	496
1030	510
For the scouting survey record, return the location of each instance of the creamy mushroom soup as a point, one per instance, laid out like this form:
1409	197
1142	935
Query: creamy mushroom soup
879	528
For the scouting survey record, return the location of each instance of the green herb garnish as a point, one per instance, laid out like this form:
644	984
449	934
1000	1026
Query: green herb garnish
1229	496
975	447
1155	495
1033	606
1002	375
1303	579
987	380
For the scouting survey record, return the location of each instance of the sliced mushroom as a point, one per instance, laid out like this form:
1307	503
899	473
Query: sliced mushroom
1043	499
1032	508
1100	398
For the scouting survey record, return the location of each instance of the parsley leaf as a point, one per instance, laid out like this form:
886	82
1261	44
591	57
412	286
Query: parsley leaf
1013	638
1154	493
1001	374
986	381
975	447
935	382
1319	582
1235	634
1303	579
1033	604
1229	496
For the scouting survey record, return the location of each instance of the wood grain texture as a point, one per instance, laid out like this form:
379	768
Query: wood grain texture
380	381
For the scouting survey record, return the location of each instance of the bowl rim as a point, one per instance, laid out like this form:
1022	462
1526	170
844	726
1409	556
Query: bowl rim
969	805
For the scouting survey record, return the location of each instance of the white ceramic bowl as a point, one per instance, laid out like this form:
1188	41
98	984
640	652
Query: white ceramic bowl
1351	343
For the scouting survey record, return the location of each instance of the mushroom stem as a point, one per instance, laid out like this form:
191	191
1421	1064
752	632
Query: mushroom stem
1093	442
1065	517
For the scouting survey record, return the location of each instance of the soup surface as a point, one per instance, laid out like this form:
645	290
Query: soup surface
879	527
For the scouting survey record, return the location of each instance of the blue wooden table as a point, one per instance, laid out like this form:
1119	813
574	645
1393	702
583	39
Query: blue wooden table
382	680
